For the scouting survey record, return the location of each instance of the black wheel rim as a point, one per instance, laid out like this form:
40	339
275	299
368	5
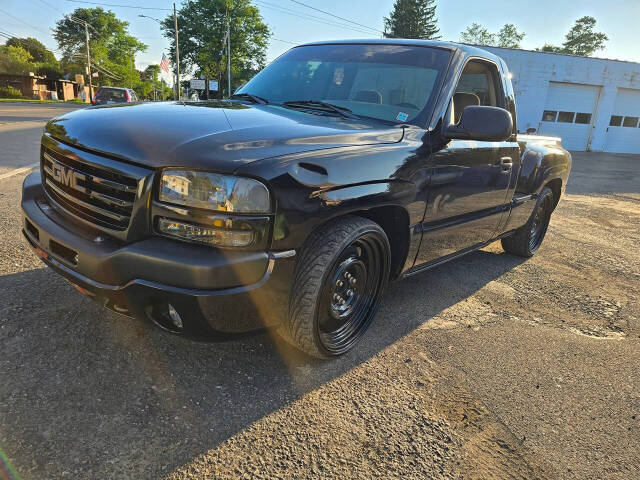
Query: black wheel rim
539	226
351	293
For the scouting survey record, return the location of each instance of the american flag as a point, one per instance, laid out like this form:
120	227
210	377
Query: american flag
164	64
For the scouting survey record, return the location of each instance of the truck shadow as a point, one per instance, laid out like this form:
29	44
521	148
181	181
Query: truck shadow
87	392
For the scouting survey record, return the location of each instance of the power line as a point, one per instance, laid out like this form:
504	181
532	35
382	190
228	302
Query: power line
6	32
104	70
10	36
284	41
81	22
22	21
336	16
306	16
50	6
120	6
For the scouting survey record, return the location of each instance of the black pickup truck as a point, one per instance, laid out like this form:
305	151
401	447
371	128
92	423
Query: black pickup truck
339	167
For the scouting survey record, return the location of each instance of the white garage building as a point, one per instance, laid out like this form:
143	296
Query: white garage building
591	103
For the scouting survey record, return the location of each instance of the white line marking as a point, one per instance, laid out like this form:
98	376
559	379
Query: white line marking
18	171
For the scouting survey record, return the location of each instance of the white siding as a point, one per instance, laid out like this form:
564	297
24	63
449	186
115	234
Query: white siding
570	98
625	139
533	73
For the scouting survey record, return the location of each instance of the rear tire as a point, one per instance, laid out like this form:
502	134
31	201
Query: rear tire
340	275
526	240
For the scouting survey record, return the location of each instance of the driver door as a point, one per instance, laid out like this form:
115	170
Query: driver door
468	190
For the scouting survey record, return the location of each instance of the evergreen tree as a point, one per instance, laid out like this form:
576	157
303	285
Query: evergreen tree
412	19
582	39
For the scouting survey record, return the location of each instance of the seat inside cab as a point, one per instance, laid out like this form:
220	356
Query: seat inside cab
477	86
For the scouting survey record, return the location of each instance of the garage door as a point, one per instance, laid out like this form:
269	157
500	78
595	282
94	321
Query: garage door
623	133
568	113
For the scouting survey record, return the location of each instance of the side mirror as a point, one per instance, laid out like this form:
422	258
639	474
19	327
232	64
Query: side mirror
488	124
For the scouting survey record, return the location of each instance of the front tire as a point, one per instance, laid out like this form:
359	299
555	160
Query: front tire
338	281
526	240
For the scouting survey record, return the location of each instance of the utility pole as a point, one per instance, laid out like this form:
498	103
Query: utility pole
86	33
175	26
228	58
176	91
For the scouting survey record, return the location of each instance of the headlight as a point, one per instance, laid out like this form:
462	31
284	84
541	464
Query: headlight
212	191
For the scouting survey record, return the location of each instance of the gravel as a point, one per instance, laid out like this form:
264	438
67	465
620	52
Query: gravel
488	367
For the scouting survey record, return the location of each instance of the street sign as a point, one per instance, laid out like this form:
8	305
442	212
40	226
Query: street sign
196	84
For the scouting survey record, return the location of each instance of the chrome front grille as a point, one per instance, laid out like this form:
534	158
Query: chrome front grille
90	191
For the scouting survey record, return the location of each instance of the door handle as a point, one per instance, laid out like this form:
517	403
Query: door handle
506	163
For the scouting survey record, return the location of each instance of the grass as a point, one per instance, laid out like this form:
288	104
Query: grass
27	100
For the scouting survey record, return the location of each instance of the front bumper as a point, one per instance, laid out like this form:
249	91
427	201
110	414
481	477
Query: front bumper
214	291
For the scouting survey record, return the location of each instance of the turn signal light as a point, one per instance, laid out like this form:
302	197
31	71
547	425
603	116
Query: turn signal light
210	235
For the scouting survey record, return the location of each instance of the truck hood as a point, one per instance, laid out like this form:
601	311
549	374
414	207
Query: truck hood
217	134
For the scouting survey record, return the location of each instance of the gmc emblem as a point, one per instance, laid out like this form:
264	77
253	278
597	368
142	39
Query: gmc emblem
68	176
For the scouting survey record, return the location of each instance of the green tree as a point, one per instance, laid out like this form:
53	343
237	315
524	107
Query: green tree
15	60
38	51
150	83
547	47
412	19
582	39
111	46
202	27
151	73
476	34
45	60
507	37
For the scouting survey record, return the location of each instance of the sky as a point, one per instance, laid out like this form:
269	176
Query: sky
543	21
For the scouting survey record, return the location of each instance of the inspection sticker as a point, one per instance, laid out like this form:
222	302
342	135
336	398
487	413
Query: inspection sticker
402	116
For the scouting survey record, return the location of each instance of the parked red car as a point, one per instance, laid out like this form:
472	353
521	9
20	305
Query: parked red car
106	95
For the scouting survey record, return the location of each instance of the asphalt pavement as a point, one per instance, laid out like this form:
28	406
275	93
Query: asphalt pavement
490	366
21	125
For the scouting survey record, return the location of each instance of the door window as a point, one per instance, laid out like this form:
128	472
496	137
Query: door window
583	118
478	85
616	121
566	117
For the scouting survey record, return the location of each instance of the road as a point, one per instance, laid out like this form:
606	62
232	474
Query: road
488	367
20	129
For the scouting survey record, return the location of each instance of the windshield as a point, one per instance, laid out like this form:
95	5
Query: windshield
396	83
111	94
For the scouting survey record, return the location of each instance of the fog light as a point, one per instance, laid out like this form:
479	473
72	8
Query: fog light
205	234
175	317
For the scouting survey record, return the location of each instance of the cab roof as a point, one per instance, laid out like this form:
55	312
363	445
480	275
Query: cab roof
467	50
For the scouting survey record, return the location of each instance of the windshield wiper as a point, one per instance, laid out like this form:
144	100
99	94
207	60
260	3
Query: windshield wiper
252	97
320	105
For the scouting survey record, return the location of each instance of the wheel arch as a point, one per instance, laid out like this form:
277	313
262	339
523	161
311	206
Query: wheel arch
394	220
555	185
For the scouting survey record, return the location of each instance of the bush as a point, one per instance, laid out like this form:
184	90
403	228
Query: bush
10	92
